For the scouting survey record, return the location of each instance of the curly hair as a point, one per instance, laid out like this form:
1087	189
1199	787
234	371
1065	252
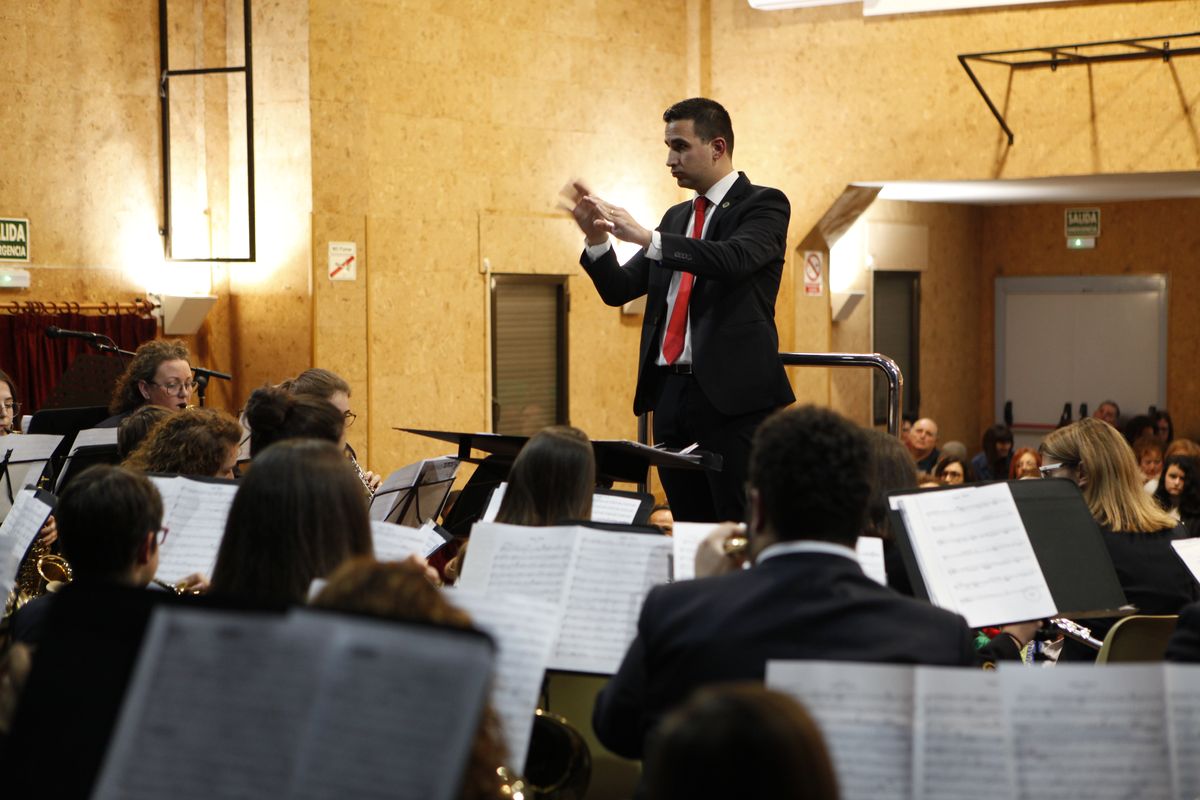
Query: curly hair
1017	455
194	441
143	367
134	429
399	590
811	467
272	414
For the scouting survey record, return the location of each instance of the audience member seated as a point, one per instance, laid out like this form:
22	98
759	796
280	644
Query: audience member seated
272	415
1025	464
953	471
991	464
955	449
1178	447
1149	453
1138	427
159	374
1178	492
333	389
805	596
741	741
891	470
1164	428
907	420
1108	411
297	515
400	591
922	444
1136	531
196	441
661	518
134	429
10	408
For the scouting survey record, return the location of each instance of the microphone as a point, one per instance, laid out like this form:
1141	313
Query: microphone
55	332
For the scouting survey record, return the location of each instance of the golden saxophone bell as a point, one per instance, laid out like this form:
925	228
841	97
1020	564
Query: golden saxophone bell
736	545
55	571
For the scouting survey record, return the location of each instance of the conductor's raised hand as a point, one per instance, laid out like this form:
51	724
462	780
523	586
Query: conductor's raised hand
624	226
585	208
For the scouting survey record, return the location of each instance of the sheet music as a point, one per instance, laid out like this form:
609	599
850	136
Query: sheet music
397	710
686	538
870	558
195	513
90	437
493	506
610	577
1104	723
975	555
398	542
20	528
1182	687
525	630
614	508
510	559
1189	551
865	712
961	739
28	458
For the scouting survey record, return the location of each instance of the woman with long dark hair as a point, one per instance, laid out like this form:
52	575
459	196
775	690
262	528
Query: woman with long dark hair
1178	491
992	463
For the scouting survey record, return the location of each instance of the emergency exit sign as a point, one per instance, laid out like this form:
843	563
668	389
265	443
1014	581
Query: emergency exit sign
14	240
1083	222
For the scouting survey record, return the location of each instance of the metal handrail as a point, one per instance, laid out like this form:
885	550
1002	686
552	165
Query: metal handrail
887	366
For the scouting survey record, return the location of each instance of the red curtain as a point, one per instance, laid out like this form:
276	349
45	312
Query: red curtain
35	362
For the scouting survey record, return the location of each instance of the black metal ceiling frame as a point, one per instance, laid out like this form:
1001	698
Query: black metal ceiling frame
1070	55
246	70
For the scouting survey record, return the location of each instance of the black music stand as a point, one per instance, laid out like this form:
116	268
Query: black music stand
422	500
67	421
81	459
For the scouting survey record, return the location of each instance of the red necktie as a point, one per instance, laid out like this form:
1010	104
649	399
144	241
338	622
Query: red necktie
677	325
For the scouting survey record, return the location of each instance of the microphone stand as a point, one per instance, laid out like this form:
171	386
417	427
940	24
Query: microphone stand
203	374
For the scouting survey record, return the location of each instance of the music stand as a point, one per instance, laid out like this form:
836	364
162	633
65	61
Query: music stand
423	498
23	457
81	459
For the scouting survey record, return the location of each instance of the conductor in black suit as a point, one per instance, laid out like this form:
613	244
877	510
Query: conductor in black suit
805	597
708	362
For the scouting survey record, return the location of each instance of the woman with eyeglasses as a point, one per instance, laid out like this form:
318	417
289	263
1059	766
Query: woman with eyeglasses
160	374
10	409
1137	532
332	388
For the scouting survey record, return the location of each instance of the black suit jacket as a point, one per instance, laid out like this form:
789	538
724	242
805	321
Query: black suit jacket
735	346
798	606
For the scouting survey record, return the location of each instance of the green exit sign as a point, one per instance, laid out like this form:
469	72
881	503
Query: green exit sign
14	240
1083	222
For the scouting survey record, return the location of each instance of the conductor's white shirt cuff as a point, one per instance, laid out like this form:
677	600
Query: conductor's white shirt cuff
594	251
654	251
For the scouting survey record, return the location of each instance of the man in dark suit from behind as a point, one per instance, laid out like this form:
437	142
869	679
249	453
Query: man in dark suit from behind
805	597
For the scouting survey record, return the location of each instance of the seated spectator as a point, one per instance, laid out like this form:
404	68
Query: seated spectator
10	408
805	596
661	518
922	444
953	471
1149	452
907	420
1164	428
133	430
743	741
273	415
1108	411
159	374
1178	447
1025	464
333	389
1139	427
1178	492
399	590
298	514
891	470
195	441
991	464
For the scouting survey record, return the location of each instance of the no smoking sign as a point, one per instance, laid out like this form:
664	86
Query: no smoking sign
814	273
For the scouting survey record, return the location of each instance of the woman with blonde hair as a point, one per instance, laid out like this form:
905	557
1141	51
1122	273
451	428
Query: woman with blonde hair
1137	532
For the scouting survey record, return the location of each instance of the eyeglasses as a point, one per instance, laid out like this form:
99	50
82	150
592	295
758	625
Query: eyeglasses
162	535
350	416
175	386
1047	469
12	405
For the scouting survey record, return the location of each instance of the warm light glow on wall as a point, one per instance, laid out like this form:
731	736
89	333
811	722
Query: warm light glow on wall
847	257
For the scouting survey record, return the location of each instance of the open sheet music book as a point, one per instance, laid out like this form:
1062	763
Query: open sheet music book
622	508
307	705
1188	551
29	513
397	542
524	629
90	437
27	455
943	733
598	578
195	512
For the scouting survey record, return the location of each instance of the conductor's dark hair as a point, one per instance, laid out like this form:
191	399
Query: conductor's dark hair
103	517
739	740
317	382
709	119
272	414
811	467
143	367
298	514
551	480
892	468
137	426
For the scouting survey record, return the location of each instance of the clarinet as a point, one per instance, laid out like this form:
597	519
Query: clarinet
358	470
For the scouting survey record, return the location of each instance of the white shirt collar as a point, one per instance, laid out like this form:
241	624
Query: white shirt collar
806	546
716	193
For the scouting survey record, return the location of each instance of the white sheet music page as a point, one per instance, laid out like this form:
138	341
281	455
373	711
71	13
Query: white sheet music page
1082	731
975	554
870	558
610	577
396	713
865	712
1188	551
685	541
91	437
398	542
961	740
20	528
30	452
512	559
1182	686
614	508
525	630
493	506
215	708
196	519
